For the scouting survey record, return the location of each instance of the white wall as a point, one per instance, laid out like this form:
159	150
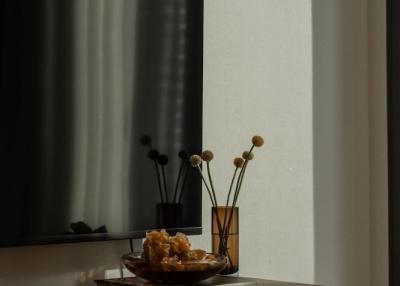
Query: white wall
348	149
62	265
258	80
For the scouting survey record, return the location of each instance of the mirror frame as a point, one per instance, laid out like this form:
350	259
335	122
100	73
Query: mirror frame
393	117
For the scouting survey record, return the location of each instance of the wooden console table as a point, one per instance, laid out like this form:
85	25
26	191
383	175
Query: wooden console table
216	280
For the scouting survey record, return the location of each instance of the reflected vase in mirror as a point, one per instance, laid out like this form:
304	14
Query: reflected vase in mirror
225	236
169	215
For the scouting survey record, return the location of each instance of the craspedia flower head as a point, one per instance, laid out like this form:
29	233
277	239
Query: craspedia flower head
207	155
195	160
238	162
248	155
153	154
162	160
257	140
183	154
145	140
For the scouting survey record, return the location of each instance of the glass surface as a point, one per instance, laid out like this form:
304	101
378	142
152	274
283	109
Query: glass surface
225	236
81	83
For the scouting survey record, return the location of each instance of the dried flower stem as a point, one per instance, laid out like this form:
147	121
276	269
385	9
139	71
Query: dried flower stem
238	186
205	183
165	183
158	175
227	200
211	184
220	229
183	183
159	181
221	234
177	180
240	179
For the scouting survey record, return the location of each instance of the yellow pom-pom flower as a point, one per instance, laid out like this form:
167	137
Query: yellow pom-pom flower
207	155
257	141
195	160
248	155
238	162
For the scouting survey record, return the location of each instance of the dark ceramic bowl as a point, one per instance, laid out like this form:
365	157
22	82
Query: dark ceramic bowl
188	272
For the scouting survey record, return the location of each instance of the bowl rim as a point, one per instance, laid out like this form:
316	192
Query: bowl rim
138	255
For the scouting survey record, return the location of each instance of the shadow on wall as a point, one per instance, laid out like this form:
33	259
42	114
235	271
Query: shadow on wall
59	264
341	151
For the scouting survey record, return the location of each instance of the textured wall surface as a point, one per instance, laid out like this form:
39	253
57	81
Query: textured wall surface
258	79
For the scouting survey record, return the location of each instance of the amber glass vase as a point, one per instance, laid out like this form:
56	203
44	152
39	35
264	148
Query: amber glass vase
225	240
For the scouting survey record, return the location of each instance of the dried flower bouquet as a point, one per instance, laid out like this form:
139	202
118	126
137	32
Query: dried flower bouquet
235	186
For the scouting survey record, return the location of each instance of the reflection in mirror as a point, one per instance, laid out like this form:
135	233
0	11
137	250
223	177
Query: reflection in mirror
83	82
170	209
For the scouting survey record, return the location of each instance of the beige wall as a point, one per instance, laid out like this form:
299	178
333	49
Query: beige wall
350	156
341	143
378	142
